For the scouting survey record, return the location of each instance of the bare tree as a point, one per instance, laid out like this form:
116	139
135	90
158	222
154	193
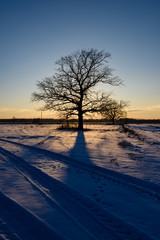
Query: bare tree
70	90
113	110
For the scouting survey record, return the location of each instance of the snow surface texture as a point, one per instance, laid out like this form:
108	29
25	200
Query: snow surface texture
103	183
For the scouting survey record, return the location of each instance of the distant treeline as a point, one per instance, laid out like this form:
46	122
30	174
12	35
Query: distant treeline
87	121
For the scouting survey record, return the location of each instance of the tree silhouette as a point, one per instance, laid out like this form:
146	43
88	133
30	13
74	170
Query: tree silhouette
113	110
70	90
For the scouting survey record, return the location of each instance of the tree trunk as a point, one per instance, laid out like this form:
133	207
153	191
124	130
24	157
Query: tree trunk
113	121
80	112
80	120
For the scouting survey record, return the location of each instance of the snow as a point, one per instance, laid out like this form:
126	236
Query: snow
103	183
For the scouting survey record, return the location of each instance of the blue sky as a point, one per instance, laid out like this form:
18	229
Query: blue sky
36	33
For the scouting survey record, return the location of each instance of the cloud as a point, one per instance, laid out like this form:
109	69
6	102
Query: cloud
5	110
14	110
134	110
153	108
24	110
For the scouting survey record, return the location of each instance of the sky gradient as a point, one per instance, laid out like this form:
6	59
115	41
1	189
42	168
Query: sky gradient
36	33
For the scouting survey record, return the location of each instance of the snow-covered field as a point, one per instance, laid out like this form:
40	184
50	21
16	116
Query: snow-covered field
103	183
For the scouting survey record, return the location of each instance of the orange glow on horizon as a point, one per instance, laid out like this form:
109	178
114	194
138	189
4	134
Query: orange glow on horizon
31	113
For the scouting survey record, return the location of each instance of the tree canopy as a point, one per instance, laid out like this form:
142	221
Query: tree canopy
71	89
113	110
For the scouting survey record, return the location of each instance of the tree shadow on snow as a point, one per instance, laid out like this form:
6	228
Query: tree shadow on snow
77	177
79	150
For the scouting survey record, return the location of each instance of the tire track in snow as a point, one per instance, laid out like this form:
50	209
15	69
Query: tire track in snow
140	136
143	151
17	223
140	186
57	214
102	223
75	204
5	232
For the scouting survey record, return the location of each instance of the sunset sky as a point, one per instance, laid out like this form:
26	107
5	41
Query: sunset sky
36	33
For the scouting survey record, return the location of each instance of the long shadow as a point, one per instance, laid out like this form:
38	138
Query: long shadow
79	151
